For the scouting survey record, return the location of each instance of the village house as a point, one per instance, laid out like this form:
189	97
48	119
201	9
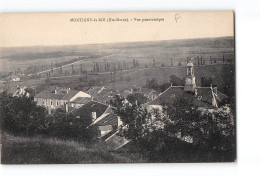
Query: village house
55	97
150	94
102	94
21	91
100	116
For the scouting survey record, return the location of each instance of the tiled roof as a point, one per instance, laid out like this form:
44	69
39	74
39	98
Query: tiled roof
108	119
57	97
115	141
168	93
81	100
202	99
70	94
46	93
89	107
60	95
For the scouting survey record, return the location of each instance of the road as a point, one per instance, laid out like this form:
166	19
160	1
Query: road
68	65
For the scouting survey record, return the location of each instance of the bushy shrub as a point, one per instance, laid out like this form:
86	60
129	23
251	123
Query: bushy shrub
21	116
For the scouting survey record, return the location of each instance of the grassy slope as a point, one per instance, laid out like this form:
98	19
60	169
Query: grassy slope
21	150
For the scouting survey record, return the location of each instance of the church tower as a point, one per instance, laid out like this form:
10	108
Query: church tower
190	83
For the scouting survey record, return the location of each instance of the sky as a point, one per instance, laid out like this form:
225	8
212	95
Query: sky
43	29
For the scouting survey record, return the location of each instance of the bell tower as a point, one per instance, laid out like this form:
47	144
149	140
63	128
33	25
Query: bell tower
190	83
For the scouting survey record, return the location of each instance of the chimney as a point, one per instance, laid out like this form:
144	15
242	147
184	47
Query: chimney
66	107
67	91
55	91
195	92
94	116
215	90
214	103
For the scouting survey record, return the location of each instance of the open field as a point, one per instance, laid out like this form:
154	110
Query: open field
145	52
162	74
37	150
222	75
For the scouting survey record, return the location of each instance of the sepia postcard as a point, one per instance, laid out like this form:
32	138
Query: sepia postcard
123	87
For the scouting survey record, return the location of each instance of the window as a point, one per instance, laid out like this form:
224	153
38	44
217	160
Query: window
51	102
57	103
155	111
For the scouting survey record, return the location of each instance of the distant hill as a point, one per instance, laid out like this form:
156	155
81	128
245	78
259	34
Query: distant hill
40	52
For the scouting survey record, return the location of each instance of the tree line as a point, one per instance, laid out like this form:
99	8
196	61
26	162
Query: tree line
21	116
182	132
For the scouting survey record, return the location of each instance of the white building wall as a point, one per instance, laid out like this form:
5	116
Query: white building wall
80	94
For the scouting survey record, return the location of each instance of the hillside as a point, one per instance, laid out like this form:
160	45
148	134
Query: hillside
37	150
39	52
144	52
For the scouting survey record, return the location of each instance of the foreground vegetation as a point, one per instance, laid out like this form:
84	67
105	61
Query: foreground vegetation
40	150
183	132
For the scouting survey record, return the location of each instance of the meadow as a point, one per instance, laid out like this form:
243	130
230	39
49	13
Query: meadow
39	150
145	52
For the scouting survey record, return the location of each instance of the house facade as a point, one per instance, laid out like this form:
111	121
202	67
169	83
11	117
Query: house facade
53	98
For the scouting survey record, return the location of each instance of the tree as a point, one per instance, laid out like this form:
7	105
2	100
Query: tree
206	81
176	81
30	91
181	132
164	86
210	129
137	97
133	117
21	114
152	84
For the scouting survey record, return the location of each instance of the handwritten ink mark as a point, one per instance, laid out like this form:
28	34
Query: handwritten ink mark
177	17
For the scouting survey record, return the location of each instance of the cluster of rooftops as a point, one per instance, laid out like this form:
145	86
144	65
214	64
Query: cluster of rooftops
89	103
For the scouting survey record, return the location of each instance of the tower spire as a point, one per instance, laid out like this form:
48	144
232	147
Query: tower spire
190	83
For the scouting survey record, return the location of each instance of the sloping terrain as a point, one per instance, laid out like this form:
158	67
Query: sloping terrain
37	150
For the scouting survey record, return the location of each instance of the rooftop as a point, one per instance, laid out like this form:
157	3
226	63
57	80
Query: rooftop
202	99
57	93
81	100
89	107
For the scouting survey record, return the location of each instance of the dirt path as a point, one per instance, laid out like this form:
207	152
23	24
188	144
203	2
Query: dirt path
68	65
